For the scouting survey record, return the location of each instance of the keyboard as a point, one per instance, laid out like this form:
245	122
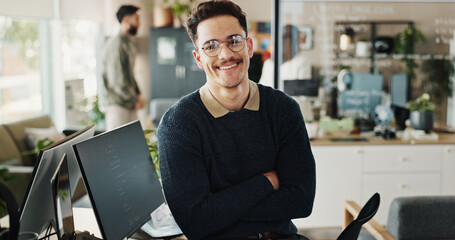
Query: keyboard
85	236
78	235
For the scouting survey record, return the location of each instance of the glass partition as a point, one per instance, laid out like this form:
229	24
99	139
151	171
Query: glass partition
366	54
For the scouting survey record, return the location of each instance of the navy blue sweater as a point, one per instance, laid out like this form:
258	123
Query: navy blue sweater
212	168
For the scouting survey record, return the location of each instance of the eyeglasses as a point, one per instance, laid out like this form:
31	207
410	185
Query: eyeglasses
213	47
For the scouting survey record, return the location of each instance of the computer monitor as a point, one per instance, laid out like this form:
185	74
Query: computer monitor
37	209
302	87
362	94
120	179
399	89
399	94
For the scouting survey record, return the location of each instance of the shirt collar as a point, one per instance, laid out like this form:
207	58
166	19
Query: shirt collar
125	36
217	110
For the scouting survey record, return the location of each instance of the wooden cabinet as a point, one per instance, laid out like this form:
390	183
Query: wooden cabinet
357	172
395	171
338	178
394	185
448	172
402	158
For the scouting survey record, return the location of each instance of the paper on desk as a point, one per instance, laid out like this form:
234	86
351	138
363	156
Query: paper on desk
162	223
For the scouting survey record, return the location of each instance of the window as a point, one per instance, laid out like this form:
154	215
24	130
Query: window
20	68
79	56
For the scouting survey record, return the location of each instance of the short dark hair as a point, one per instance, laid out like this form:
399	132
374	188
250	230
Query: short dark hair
126	10
211	9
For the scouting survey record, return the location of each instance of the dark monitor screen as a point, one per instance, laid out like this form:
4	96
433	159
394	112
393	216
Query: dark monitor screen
302	87
37	210
61	196
399	89
120	179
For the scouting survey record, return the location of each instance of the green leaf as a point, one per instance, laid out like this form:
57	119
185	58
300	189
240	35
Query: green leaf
62	194
152	143
6	176
42	143
421	104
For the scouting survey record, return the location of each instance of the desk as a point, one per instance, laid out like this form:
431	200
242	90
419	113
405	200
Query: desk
84	220
444	138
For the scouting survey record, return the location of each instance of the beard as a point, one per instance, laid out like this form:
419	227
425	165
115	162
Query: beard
132	30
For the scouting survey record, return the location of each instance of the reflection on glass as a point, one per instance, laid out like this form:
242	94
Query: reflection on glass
412	38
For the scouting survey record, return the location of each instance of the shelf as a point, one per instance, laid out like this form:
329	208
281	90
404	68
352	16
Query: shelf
373	22
377	56
373	56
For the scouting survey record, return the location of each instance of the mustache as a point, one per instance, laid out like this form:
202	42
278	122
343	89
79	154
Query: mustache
232	59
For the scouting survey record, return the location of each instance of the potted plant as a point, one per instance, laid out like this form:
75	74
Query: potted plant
437	80
5	176
8	177
422	116
404	43
180	9
152	143
164	13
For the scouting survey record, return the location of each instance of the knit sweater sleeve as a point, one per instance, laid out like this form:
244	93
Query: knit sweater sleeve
295	168
199	212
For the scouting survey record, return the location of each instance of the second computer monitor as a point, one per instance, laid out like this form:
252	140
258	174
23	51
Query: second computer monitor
37	210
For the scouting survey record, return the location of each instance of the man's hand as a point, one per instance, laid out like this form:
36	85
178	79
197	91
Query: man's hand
273	178
140	102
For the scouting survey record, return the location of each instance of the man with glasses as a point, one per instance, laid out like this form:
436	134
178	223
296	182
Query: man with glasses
235	158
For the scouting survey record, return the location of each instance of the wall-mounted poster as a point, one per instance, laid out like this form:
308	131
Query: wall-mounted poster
260	33
305	37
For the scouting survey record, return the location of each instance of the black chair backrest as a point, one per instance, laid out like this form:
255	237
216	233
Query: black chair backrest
11	206
351	232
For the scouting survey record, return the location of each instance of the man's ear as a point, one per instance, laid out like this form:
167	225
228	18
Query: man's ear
125	19
197	57
249	44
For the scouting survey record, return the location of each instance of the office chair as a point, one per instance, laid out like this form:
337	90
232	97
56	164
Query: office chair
351	232
11	205
416	217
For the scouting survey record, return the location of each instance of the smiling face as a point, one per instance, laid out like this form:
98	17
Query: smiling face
228	69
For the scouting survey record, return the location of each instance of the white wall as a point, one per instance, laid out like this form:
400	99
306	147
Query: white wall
257	10
82	9
69	9
27	8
